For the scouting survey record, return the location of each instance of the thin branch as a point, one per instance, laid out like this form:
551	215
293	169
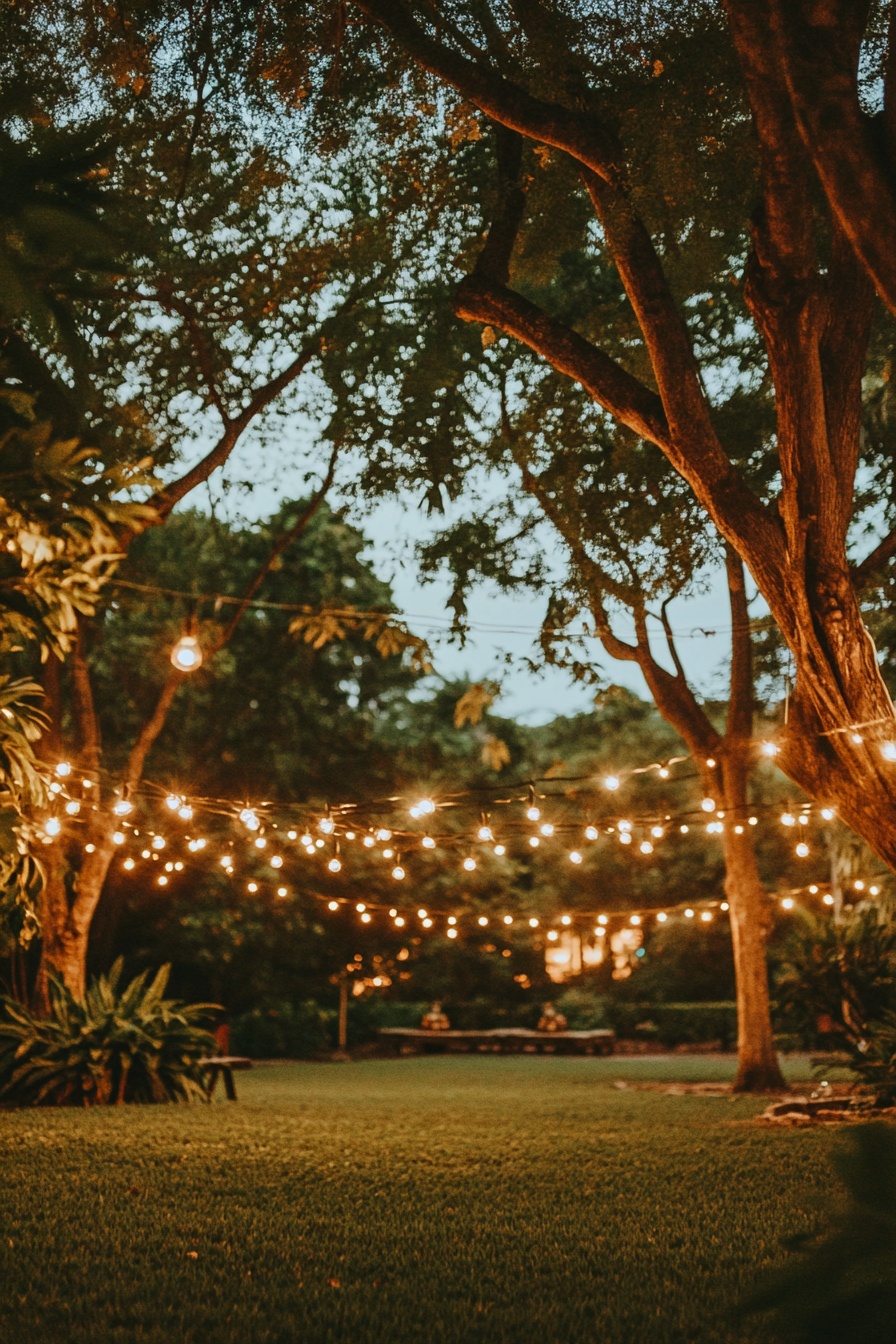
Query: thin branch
740	696
133	771
670	639
288	537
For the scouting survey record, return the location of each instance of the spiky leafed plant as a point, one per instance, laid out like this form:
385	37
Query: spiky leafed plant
115	1045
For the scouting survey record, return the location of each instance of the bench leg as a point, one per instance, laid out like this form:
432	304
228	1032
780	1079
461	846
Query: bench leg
229	1085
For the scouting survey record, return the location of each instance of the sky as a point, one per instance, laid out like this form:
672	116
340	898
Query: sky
500	623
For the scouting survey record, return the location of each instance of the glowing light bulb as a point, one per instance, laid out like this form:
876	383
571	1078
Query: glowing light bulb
118	837
327	825
90	849
788	819
482	921
73	807
724	905
334	866
508	919
662	917
646	847
186	654
388	853
827	813
276	861
282	891
123	807
427	842
591	832
452	933
663	772
828	899
873	891
575	856
185	813
753	821
399	922
360	907
684	829
365	918
252	886
292	835
635	919
427	923
706	916
710	761
656	832
249	819
128	864
689	914
533	923
565	919
63	769
52	826
173	802
611	782
452	919
398	872
534	841
553	935
859	885
533	812
162	880
469	864
708	804
738	830
500	850
383	835
856	739
802	850
769	749
485	833
603	919
55	787
158	842
787	902
332	905
261	843
600	931
421	914
318	844
547	829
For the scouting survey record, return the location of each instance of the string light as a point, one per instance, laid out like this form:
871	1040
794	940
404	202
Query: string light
63	769
52	826
123	807
611	782
575	857
427	842
469	864
186	655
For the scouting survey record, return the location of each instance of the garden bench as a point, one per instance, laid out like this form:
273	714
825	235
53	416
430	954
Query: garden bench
502	1040
222	1066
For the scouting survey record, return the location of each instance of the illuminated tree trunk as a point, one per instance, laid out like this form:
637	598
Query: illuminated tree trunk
757	1060
65	917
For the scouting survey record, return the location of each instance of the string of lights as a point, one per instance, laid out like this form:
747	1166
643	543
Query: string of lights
429	621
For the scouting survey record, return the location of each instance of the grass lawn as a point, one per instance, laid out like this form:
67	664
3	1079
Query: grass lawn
430	1199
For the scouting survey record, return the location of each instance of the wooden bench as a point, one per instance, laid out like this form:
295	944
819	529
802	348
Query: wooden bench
222	1066
503	1040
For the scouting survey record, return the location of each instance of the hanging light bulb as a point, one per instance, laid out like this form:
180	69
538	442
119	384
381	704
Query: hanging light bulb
123	807
186	655
533	812
469	864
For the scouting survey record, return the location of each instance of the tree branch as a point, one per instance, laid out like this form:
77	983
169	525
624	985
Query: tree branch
498	97
740	695
820	41
84	706
288	537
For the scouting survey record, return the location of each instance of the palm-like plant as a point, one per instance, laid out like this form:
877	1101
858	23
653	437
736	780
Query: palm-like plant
115	1045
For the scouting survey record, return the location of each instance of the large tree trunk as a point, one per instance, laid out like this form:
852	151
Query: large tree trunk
757	1060
65	922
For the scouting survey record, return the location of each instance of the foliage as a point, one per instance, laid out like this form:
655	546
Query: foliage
844	1285
843	971
282	1031
115	1045
23	791
58	538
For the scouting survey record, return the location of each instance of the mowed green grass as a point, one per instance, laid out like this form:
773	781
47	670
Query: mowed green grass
429	1199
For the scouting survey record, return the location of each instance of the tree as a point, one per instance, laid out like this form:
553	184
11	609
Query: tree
589	86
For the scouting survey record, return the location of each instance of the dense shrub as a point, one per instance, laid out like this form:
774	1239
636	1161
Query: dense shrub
673	1024
282	1031
115	1045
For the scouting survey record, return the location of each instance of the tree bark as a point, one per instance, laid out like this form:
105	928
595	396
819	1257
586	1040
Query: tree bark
758	1069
